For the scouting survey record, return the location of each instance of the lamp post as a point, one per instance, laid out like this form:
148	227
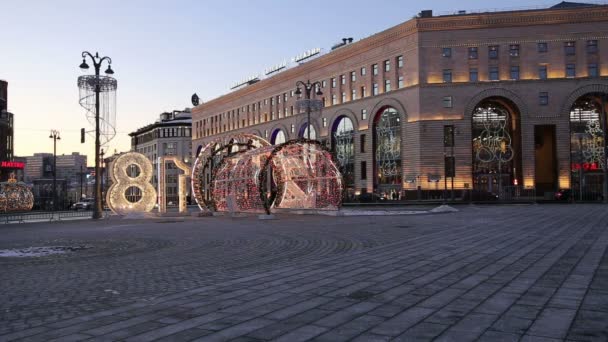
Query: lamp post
55	136
308	87
97	61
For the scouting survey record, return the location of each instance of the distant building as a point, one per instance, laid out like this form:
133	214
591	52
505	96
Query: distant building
72	168
6	134
170	135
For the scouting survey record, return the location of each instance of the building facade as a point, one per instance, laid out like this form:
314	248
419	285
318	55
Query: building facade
480	100
6	134
170	135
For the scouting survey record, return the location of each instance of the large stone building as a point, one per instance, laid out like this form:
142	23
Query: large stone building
170	135
515	97
6	135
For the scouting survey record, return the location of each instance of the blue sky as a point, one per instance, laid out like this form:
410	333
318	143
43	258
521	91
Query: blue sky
163	51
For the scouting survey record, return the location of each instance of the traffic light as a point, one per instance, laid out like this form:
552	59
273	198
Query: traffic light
82	135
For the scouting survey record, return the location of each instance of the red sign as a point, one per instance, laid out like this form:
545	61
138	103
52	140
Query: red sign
12	165
585	166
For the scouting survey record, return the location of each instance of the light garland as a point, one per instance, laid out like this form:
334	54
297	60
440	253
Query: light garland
121	182
15	196
162	182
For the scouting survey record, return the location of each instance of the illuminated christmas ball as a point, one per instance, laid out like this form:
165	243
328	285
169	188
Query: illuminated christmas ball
15	196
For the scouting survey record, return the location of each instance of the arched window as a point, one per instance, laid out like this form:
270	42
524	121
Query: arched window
278	137
387	153
304	132
343	147
496	145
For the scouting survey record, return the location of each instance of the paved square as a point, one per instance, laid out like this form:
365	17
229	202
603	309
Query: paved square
486	273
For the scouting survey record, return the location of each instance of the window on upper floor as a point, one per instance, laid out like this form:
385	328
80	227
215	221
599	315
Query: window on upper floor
493	73
592	70
363	92
514	72
570	70
387	66
473	52
333	82
399	61
343	97
353	76
323	84
363	114
324	122
375	69
447	75
353	95
473	76
387	86
514	50
363	71
400	82
342	79
542	72
334	99
446	52
375	89
493	52
543	98
592	46
542	47
447	102
570	48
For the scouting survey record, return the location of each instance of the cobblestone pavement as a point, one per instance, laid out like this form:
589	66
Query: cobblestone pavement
486	273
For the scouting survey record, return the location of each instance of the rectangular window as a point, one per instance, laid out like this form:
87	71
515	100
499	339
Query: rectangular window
375	89
362	145
333	82
446	52
514	72
363	92
387	66
514	50
493	71
493	51
323	84
542	47
342	79
542	72
570	70
400	83
570	48
363	170
353	95
473	75
592	70
387	86
375	69
334	99
399	62
447	102
592	46
363	114
363	71
343	97
324	122
271	103
293	128
448	136
447	75
473	52
543	98
353	76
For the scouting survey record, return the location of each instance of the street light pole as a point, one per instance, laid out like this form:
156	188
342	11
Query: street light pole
55	136
97	61
308	87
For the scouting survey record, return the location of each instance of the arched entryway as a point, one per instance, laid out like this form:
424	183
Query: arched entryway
387	153
278	137
496	145
587	125
343	149
304	131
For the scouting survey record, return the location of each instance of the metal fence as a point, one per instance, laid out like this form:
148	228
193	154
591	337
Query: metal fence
43	216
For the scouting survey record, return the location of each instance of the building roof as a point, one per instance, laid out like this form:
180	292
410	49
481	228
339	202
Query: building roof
569	4
167	119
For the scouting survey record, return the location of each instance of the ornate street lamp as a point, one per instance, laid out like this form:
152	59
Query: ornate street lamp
97	84
308	104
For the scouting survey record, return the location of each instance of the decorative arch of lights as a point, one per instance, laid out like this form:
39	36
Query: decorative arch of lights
298	174
209	158
181	185
122	183
15	196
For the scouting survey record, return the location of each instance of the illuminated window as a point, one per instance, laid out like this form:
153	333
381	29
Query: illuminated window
473	52
542	72
387	66
323	84
333	82
363	114
375	69
353	76
447	75
543	98
343	97
375	89
542	47
324	122
353	95
570	48
493	51
387	85
446	52
293	128
334	99
400	82
363	71
342	79
399	61
570	70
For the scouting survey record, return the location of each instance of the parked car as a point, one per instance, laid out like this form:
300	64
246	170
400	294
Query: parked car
566	195
85	204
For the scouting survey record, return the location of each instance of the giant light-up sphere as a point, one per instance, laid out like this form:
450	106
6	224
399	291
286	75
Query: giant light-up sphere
131	191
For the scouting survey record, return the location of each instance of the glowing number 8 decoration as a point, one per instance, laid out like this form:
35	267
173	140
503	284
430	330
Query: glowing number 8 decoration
121	182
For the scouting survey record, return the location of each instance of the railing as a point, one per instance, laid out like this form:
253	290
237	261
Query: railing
43	216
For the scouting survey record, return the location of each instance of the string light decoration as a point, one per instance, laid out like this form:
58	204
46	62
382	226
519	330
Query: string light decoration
181	186
210	157
138	185
15	196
